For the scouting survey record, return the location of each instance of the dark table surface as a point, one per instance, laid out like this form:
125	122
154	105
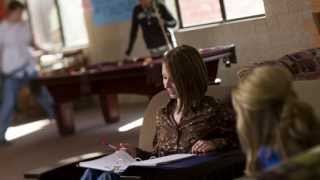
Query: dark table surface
220	165
217	166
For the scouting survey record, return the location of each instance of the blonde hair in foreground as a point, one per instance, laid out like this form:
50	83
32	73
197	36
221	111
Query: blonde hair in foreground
269	113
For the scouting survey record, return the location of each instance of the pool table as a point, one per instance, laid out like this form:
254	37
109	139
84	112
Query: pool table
108	79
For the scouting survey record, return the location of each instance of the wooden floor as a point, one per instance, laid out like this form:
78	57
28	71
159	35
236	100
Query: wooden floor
45	146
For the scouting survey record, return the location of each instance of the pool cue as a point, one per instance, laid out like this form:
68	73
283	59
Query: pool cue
158	16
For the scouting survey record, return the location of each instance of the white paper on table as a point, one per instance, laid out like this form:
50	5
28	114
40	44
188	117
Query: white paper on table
121	160
161	160
117	161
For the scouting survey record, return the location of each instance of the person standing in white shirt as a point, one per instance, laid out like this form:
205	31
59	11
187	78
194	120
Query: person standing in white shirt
17	65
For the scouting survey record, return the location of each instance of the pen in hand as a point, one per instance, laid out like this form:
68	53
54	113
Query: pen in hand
112	147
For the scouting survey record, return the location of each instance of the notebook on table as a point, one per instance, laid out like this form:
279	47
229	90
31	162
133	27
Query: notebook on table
119	161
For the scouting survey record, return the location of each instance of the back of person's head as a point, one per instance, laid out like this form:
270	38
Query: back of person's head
189	74
15	5
270	114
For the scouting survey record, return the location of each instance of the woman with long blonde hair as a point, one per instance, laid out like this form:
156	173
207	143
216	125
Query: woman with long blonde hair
272	123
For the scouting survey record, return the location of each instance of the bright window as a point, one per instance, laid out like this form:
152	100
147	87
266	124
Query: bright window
45	23
236	9
73	23
58	24
199	12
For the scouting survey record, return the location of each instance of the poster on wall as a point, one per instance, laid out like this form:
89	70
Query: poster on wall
112	11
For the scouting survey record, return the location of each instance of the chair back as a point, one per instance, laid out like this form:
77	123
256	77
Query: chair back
147	131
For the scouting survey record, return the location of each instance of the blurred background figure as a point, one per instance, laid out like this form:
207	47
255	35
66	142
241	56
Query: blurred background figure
154	20
17	65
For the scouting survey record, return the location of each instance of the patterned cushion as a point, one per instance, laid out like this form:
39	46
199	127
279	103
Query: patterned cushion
304	65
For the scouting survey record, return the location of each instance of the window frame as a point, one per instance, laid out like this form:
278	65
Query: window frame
223	15
30	21
61	26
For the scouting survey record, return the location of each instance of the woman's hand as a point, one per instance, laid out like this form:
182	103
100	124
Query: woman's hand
203	146
132	150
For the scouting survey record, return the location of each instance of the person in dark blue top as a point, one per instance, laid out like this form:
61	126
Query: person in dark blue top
154	20
268	157
272	123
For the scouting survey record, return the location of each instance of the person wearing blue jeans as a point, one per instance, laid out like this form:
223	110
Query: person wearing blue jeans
17	65
11	87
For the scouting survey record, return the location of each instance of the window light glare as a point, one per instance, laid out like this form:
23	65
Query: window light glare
25	129
132	125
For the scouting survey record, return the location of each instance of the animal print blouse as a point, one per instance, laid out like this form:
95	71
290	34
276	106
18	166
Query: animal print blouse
209	120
